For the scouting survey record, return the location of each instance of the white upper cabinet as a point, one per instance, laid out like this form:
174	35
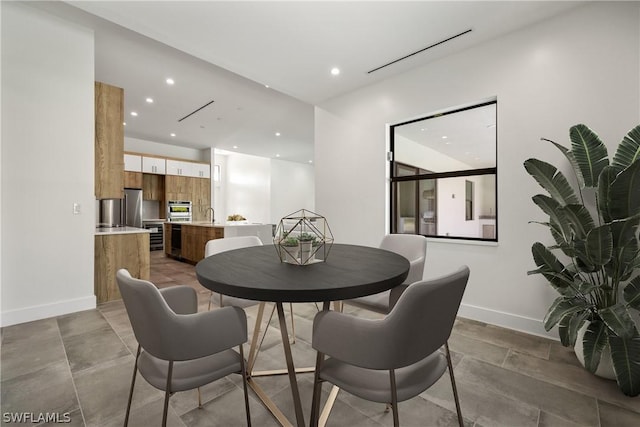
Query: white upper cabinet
132	163
201	170
178	167
154	165
197	170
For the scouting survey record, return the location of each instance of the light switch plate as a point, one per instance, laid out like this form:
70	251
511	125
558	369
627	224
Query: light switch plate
76	209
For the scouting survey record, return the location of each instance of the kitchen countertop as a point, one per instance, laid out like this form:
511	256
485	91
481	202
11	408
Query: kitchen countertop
120	230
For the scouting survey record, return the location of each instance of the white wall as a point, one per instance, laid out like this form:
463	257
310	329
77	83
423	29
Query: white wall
292	188
47	165
580	67
137	145
261	189
248	187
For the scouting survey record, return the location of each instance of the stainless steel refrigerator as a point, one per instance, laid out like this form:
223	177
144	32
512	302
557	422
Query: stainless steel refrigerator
133	207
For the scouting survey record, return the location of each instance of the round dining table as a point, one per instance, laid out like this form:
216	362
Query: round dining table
257	273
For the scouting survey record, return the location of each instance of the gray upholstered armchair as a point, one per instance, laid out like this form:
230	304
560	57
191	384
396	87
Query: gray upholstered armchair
392	359
414	248
180	349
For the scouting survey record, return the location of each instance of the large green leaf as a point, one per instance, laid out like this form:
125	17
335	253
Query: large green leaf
607	176
552	180
599	245
623	198
625	355
557	217
562	307
552	269
572	160
579	219
593	342
618	319
626	250
632	293
590	153
629	149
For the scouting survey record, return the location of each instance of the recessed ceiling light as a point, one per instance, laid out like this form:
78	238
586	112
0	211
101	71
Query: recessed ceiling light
444	137
149	100
277	155
134	114
335	71
170	81
423	129
235	146
267	86
124	123
173	134
310	161
277	133
447	143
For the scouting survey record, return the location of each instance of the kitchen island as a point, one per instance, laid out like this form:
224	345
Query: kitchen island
116	248
195	235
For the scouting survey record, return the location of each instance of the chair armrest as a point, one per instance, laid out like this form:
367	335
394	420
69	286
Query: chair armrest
181	299
192	336
361	342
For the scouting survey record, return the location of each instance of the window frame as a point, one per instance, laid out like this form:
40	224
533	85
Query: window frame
394	178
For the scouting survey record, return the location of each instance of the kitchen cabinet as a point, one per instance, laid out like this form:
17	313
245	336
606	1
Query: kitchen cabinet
132	179
154	165
153	187
132	163
116	251
194	239
109	141
201	170
186	168
201	191
179	167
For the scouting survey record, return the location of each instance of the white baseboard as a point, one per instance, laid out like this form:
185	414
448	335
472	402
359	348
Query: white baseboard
506	320
37	312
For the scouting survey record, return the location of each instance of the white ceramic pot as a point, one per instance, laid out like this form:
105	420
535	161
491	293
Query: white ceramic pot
305	252
290	254
605	368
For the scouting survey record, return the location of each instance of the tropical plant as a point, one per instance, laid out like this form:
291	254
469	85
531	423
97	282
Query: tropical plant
307	237
596	239
289	241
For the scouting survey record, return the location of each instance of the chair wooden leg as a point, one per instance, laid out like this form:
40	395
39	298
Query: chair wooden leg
199	399
133	383
244	385
210	298
167	393
453	385
394	398
293	326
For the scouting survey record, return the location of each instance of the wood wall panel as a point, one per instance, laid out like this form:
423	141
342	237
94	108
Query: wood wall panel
116	251
109	141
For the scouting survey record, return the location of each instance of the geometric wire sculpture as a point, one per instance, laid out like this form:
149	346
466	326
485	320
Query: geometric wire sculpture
303	238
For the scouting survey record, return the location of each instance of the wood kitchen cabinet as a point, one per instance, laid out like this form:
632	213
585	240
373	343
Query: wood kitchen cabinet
153	187
109	141
201	190
116	251
132	179
194	239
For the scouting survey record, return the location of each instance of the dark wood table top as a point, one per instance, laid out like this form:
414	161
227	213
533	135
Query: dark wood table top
256	273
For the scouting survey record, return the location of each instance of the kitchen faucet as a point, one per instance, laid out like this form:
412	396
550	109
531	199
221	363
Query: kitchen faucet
213	214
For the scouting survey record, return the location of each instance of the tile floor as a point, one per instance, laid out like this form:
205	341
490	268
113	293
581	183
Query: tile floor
81	364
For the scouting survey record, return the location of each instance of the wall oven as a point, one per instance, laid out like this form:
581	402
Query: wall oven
179	211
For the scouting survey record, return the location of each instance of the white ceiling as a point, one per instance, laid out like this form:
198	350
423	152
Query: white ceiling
228	51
